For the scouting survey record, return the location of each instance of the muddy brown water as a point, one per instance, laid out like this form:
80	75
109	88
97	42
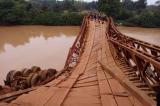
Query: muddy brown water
151	35
26	46
48	46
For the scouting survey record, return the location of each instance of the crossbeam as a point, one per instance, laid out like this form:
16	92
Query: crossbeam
145	57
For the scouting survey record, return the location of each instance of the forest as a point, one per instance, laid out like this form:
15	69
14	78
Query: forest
132	13
45	12
71	12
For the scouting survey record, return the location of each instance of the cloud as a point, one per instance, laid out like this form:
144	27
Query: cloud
149	2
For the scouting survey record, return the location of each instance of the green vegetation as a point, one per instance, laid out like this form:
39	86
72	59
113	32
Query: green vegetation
71	12
110	7
46	12
132	13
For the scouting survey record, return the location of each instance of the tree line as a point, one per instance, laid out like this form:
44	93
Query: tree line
71	12
46	12
132	13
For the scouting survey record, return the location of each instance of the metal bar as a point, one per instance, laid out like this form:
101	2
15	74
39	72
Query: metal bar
144	54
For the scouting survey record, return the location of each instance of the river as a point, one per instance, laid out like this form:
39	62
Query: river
27	46
48	46
151	35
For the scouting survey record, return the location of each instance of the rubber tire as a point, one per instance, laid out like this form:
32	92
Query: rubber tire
35	69
15	74
23	85
28	80
8	77
27	72
40	74
43	75
35	80
14	77
51	72
23	70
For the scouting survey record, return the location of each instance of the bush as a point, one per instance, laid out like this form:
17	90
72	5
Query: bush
146	19
124	14
135	20
44	18
20	12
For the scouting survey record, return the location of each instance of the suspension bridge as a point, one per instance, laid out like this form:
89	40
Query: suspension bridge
103	68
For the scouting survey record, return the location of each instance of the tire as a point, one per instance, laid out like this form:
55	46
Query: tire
51	72
27	72
43	75
35	80
8	77
23	70
28	80
15	74
22	84
40	74
35	69
14	78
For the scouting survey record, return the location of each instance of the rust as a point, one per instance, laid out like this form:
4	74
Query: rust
144	55
91	74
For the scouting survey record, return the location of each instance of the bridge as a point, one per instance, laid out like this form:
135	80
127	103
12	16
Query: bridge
103	68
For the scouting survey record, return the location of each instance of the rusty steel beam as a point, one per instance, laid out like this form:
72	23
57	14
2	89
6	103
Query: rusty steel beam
137	53
125	47
76	49
146	56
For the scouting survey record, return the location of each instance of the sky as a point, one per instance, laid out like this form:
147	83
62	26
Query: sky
150	2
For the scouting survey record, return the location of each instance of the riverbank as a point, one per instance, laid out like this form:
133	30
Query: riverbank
146	19
45	18
133	24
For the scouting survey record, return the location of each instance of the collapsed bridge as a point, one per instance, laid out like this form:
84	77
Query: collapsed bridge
103	68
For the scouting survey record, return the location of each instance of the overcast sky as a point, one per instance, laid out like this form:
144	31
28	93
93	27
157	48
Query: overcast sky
148	1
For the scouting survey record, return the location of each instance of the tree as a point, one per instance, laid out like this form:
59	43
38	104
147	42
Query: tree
6	8
110	7
157	8
141	4
68	4
128	4
158	3
92	5
102	5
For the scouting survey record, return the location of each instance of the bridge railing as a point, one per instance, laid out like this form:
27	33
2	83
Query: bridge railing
140	55
77	48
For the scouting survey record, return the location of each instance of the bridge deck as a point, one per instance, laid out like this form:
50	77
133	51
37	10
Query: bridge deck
88	84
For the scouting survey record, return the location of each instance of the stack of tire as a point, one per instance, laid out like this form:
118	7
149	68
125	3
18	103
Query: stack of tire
27	78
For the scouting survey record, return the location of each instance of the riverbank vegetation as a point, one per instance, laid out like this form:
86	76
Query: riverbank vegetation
71	12
46	12
132	13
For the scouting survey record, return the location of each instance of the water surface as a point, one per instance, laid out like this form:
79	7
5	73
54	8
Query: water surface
26	46
150	35
47	46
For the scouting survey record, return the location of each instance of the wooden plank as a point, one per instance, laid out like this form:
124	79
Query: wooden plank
37	97
107	100
66	86
79	97
117	88
104	87
62	92
131	88
16	93
82	87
